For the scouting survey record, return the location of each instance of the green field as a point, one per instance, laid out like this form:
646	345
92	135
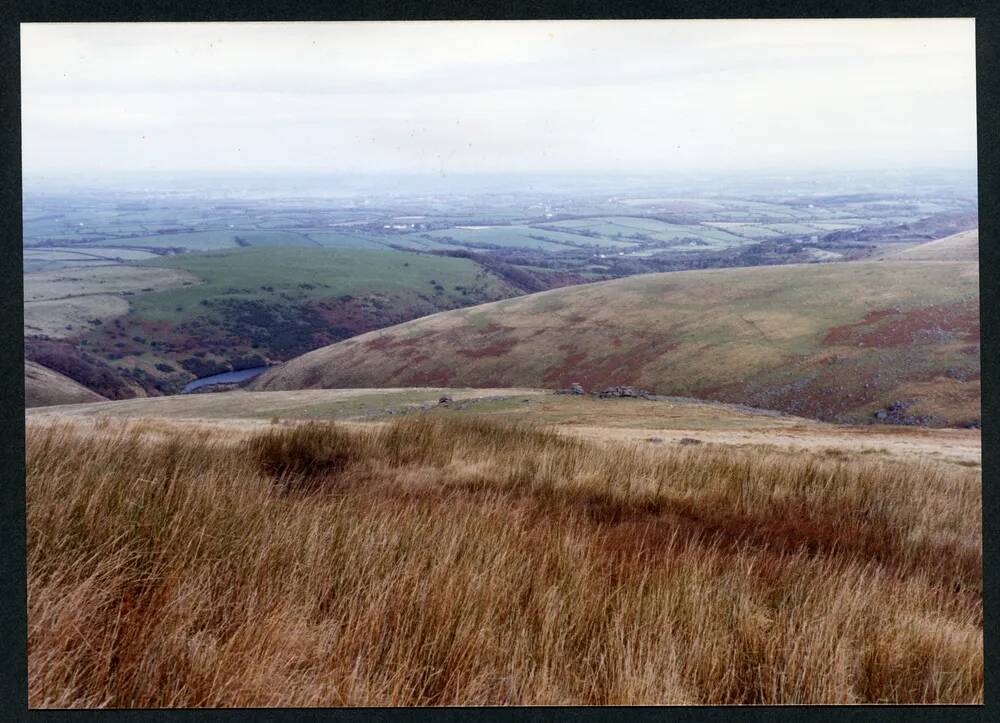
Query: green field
173	318
307	273
126	248
750	231
35	264
340	240
114	254
53	258
232	238
273	238
112	279
628	230
197	240
64	303
517	237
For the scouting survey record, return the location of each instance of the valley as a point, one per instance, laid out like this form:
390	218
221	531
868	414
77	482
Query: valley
598	449
158	326
134	294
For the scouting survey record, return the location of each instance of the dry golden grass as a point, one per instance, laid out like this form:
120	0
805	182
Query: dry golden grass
444	561
771	336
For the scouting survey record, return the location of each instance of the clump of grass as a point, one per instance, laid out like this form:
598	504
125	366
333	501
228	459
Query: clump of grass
456	562
302	454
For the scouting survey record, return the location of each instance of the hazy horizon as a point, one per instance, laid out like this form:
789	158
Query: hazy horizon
534	98
318	185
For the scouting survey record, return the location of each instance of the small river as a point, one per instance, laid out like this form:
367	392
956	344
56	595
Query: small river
225	378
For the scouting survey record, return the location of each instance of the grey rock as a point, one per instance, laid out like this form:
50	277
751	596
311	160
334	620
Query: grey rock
895	413
624	393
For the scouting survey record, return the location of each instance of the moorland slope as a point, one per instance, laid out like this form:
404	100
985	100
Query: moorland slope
44	387
893	340
962	246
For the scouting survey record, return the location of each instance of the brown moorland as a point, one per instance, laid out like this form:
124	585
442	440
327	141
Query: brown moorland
440	560
838	341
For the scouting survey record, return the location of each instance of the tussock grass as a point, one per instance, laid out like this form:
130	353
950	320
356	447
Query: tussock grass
436	561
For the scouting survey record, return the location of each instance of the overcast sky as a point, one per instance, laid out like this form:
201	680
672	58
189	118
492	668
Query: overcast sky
460	97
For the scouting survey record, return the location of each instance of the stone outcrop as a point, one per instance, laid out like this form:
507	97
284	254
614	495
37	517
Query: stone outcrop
895	413
624	393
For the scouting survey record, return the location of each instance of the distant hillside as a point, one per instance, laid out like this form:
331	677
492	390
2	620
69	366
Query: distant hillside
44	387
159	325
958	247
891	339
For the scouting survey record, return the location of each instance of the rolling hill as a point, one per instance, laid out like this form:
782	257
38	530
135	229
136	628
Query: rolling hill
44	387
962	246
159	323
893	339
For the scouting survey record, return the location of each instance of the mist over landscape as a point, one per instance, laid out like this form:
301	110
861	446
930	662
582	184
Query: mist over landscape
495	362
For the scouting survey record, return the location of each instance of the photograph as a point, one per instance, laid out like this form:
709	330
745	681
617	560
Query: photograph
458	363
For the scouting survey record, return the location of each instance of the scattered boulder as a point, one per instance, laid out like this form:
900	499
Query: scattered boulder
690	440
895	413
624	393
573	388
654	440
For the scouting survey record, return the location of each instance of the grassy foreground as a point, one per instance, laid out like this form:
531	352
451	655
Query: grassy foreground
437	561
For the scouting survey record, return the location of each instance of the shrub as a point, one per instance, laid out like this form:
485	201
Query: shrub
248	361
80	366
203	367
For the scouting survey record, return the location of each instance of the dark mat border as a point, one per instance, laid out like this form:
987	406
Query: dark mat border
13	628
